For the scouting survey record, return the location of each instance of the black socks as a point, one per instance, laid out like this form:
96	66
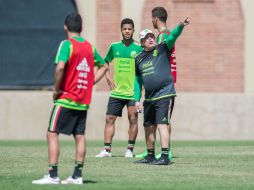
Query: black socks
78	169
53	170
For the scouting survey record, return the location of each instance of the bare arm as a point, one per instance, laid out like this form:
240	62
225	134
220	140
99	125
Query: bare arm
137	92
110	82
176	32
59	72
100	73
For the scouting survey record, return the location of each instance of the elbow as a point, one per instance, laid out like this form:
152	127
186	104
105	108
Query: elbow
60	69
106	67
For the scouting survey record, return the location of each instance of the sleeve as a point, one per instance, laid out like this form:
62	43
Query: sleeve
137	84
170	41
162	37
137	88
63	52
98	60
109	56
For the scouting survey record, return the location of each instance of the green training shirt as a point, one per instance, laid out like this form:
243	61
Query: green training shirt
63	54
124	68
163	36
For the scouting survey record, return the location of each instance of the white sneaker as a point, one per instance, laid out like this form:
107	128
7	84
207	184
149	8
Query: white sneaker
70	180
129	154
103	153
46	180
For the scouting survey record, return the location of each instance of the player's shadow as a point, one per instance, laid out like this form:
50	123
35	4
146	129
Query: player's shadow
89	181
118	156
183	163
122	156
175	157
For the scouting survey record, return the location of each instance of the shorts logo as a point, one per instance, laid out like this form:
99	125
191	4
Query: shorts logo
165	119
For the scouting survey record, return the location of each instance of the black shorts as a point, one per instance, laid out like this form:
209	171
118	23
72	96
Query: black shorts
158	111
67	121
116	105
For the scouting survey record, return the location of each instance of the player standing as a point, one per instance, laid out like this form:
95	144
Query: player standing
72	91
152	72
123	55
159	19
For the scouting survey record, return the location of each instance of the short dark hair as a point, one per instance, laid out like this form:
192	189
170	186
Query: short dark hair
160	13
127	21
73	22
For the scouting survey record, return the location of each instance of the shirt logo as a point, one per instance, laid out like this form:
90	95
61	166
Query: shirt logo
124	66
133	54
117	53
83	66
155	53
148	64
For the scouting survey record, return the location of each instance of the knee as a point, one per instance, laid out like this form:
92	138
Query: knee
79	138
133	119
51	135
110	119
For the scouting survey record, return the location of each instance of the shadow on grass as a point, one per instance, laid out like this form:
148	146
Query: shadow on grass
182	163
121	156
89	181
118	156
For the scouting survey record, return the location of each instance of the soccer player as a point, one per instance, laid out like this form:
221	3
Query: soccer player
123	55
153	73
159	19
72	90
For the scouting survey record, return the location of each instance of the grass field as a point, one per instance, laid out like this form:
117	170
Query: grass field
197	165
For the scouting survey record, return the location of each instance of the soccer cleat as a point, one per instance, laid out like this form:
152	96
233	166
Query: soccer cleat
161	161
47	180
103	153
170	155
70	180
143	155
128	154
146	160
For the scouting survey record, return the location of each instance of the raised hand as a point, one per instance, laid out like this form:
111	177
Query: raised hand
185	21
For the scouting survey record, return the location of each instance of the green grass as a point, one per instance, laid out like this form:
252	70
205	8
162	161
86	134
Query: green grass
197	165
